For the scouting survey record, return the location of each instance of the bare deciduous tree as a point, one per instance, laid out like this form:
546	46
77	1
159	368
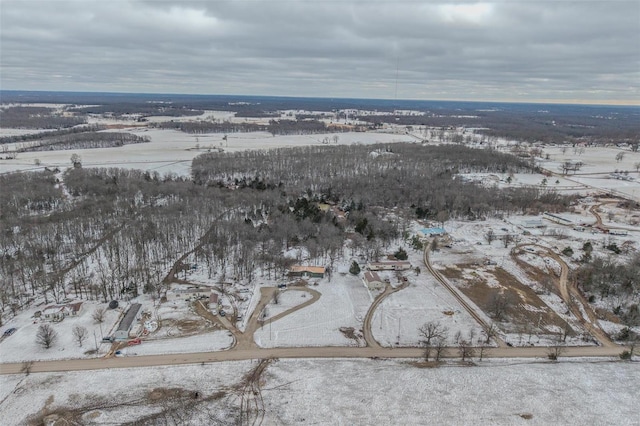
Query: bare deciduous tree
98	315
483	347
490	332
490	236
498	305
465	349
431	330
439	345
46	336
80	334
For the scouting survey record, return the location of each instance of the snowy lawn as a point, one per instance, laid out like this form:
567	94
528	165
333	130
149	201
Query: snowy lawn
287	299
22	346
344	303
397	319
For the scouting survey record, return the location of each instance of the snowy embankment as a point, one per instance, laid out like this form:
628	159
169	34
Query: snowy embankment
206	342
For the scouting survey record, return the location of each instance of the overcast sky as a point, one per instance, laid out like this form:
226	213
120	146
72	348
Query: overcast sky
509	50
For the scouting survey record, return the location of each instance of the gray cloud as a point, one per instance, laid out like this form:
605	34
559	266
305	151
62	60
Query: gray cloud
585	51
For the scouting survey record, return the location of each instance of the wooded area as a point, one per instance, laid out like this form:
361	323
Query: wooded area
118	232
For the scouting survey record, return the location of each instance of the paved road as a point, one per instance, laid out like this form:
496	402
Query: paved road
323	352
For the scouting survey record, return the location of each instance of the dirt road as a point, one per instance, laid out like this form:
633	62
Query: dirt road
366	328
323	352
577	304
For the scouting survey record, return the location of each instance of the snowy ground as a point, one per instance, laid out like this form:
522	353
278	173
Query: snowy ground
171	151
345	392
22	346
397	319
287	299
344	303
205	342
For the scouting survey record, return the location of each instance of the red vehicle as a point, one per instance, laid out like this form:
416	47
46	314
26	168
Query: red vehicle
133	342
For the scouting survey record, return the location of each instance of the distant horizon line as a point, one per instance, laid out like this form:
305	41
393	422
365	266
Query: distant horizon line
574	102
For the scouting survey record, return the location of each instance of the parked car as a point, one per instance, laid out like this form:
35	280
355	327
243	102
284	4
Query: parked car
10	331
222	313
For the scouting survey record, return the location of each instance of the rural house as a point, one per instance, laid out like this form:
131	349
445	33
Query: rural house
307	271
389	265
372	280
59	312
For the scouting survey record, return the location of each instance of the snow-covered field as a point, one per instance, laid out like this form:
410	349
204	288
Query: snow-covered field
345	392
397	319
171	151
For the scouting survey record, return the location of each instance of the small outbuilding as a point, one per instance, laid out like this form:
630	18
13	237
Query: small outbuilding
533	223
372	281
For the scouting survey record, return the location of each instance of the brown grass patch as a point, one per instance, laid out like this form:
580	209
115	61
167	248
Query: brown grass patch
519	296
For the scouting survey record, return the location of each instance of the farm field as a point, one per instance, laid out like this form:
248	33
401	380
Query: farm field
334	391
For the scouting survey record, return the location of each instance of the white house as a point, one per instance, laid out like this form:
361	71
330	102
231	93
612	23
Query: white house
389	265
59	312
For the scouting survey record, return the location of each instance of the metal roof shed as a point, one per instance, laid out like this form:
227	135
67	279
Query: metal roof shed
122	333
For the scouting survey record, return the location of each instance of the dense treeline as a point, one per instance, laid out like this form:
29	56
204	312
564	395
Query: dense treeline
304	127
530	126
51	133
85	140
200	127
142	109
617	284
402	176
275	127
25	194
23	117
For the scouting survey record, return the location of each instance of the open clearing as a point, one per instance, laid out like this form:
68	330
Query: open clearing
337	392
